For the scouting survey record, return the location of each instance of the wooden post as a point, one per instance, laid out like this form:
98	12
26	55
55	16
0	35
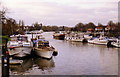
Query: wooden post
5	60
32	35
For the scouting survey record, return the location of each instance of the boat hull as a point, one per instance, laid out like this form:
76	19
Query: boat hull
99	42
115	44
60	37
44	53
20	51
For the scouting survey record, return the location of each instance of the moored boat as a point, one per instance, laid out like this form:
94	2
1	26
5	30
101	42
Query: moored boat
59	35
43	49
88	36
116	43
75	37
78	39
99	40
19	46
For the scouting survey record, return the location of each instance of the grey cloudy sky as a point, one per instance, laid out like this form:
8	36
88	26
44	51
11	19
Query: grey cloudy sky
62	12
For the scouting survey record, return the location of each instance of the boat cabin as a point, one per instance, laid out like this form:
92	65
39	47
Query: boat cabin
42	43
19	38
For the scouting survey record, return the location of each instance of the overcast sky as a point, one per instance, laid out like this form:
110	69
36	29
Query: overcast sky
62	12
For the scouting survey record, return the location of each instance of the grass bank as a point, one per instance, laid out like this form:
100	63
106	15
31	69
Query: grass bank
3	39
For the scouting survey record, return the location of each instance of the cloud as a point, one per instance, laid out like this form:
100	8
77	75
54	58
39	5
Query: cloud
63	12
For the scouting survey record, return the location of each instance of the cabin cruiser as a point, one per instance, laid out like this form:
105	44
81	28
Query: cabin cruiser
116	43
19	46
78	39
75	38
88	36
99	40
43	49
59	35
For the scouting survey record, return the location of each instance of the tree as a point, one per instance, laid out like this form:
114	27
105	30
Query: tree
9	27
90	25
37	26
112	25
99	24
79	27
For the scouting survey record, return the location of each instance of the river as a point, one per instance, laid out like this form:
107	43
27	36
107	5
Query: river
74	58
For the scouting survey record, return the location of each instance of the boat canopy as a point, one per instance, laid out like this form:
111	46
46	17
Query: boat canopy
42	40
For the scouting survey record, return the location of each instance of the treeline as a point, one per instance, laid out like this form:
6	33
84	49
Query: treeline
55	28
113	29
84	27
37	26
10	26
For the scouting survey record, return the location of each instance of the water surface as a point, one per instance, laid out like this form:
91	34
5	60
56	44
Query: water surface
74	58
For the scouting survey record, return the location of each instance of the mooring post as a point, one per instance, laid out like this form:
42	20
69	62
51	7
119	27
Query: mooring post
32	35
5	60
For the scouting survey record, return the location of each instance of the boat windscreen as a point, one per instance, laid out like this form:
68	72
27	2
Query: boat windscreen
21	38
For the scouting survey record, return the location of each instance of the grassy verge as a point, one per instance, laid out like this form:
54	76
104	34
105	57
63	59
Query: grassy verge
3	39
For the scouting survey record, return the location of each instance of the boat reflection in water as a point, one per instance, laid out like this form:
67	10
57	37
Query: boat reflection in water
44	64
18	69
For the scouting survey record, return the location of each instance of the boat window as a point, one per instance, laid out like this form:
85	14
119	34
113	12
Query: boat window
22	38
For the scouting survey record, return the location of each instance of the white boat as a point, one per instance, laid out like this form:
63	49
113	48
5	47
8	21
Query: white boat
116	44
75	38
92	40
43	49
45	52
100	40
19	46
68	37
87	36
